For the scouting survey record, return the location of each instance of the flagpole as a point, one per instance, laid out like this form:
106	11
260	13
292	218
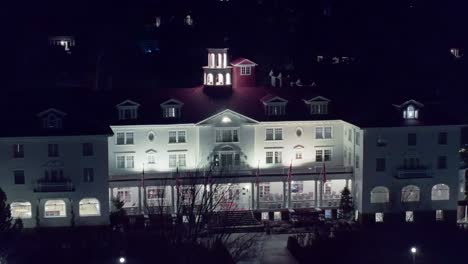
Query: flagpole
289	184
258	184
144	189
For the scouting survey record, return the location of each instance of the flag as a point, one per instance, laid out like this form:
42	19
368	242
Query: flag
290	172
324	173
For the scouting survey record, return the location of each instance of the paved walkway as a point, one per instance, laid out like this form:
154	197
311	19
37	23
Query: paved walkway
272	250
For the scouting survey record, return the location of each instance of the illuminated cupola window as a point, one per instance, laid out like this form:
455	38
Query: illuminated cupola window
411	110
217	72
318	105
65	42
171	108
52	118
128	110
274	105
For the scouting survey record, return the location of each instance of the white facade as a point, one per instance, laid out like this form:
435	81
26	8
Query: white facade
270	146
47	185
430	163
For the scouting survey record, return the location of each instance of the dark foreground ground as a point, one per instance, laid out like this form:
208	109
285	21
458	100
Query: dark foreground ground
377	244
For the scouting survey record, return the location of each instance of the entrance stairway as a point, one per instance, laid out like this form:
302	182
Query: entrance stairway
237	221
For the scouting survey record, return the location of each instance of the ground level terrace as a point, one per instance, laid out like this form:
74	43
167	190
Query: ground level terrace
266	193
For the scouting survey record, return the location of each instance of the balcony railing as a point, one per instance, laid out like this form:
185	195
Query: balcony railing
62	185
413	172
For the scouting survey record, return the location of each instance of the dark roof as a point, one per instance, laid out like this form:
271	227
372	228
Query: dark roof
20	116
93	112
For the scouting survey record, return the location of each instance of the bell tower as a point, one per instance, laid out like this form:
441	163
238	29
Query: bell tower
218	73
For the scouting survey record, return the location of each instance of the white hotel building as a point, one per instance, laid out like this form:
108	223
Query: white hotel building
401	166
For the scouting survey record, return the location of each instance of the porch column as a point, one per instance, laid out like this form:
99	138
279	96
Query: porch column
284	194
174	209
252	193
139	200
347	183
289	194
320	193
316	193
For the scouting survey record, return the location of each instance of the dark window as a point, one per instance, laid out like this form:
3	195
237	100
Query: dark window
380	164
19	176
411	139
88	149
442	138
442	162
53	150
88	175
18	151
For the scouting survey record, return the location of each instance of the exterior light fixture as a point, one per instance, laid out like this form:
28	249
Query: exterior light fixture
226	119
122	260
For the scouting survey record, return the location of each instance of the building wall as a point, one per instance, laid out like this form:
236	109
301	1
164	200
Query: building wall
427	150
71	161
243	80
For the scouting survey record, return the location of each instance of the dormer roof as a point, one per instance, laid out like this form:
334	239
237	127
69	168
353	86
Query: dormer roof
317	99
409	102
273	99
242	62
51	111
127	103
172	102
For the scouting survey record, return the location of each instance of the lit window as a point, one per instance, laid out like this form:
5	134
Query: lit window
277	216
298	154
245	70
265	216
124	196
380	194
177	136
20	210
274	134
440	192
227	135
154	193
410	113
439	215
55	208
181	161
172	161
410	193
323	132
89	207
151	159
125	138
379	217
409	216
125	162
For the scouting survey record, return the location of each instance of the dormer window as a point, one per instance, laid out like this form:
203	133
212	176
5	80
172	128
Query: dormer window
318	105
410	113
246	70
171	108
274	105
52	118
411	109
128	110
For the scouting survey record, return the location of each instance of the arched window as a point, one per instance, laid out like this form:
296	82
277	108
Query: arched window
380	194
90	207
440	192
209	79
55	208
20	210
410	193
410	113
228	78
219	79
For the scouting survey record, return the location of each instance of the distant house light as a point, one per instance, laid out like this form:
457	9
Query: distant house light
66	42
410	113
456	52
